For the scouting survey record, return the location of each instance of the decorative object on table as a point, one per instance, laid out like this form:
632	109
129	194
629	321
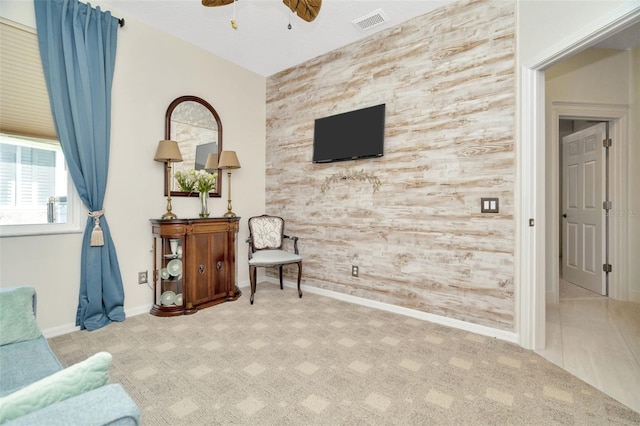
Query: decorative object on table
204	206
168	152
307	10
229	161
210	166
199	181
350	174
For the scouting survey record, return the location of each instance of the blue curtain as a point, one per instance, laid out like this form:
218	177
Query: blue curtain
78	47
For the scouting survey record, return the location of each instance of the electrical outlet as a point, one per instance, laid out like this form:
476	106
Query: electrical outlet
142	277
354	271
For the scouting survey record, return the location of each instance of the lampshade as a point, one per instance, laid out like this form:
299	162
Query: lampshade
228	160
168	151
212	162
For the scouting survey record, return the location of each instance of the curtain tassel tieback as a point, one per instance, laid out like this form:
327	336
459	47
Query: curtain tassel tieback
97	239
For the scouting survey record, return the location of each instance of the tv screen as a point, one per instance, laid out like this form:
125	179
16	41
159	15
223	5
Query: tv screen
350	135
202	152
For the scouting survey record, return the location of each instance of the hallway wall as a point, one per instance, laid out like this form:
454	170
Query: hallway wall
634	176
596	76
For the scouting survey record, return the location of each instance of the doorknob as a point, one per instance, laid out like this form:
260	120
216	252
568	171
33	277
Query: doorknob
564	215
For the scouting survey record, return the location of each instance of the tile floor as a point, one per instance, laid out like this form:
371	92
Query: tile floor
596	339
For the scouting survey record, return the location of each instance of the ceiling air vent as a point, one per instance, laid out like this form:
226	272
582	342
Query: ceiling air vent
370	20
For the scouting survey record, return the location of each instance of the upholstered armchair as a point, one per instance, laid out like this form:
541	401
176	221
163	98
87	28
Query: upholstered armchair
266	236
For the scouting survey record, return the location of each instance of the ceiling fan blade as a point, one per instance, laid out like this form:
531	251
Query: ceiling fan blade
306	9
212	3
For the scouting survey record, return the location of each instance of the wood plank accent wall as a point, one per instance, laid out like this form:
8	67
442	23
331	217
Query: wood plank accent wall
448	81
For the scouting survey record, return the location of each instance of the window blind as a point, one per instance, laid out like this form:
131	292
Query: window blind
24	101
8	157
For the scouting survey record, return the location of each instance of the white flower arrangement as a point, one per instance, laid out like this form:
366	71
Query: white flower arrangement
196	180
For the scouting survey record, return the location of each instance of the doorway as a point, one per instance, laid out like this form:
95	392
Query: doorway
585	115
583	195
537	232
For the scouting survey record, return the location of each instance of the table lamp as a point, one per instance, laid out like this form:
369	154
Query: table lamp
228	161
168	152
212	163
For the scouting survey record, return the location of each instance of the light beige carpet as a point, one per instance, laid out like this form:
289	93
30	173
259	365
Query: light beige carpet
318	361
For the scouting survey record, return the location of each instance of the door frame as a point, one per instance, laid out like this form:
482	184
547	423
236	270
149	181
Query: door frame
617	116
530	160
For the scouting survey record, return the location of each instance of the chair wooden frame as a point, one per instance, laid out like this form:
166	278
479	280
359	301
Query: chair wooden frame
271	252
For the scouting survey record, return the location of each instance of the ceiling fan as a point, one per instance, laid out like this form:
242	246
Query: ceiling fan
305	9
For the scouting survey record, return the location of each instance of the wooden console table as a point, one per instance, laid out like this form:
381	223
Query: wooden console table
194	264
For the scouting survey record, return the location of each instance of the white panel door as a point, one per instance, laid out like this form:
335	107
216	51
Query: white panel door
583	225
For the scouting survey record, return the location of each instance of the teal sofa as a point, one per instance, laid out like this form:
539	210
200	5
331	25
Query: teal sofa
34	387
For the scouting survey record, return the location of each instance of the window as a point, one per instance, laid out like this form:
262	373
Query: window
33	182
36	194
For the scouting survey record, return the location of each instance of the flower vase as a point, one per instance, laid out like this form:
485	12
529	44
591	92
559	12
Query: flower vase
204	208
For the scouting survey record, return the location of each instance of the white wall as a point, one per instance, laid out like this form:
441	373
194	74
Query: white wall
542	24
634	176
152	69
594	76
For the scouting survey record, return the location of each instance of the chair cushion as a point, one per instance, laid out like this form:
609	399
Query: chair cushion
273	257
266	232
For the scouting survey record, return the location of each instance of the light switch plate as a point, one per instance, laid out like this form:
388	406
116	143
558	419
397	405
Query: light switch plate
489	205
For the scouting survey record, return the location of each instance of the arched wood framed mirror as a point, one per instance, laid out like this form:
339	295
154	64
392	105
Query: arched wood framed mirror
196	126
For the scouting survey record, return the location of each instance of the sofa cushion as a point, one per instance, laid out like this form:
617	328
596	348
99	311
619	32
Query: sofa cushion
26	362
84	376
17	315
107	405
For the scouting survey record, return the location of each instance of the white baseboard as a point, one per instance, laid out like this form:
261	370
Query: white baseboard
508	336
634	296
132	312
59	330
437	319
71	327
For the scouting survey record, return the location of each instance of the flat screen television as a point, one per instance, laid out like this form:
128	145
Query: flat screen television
350	135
